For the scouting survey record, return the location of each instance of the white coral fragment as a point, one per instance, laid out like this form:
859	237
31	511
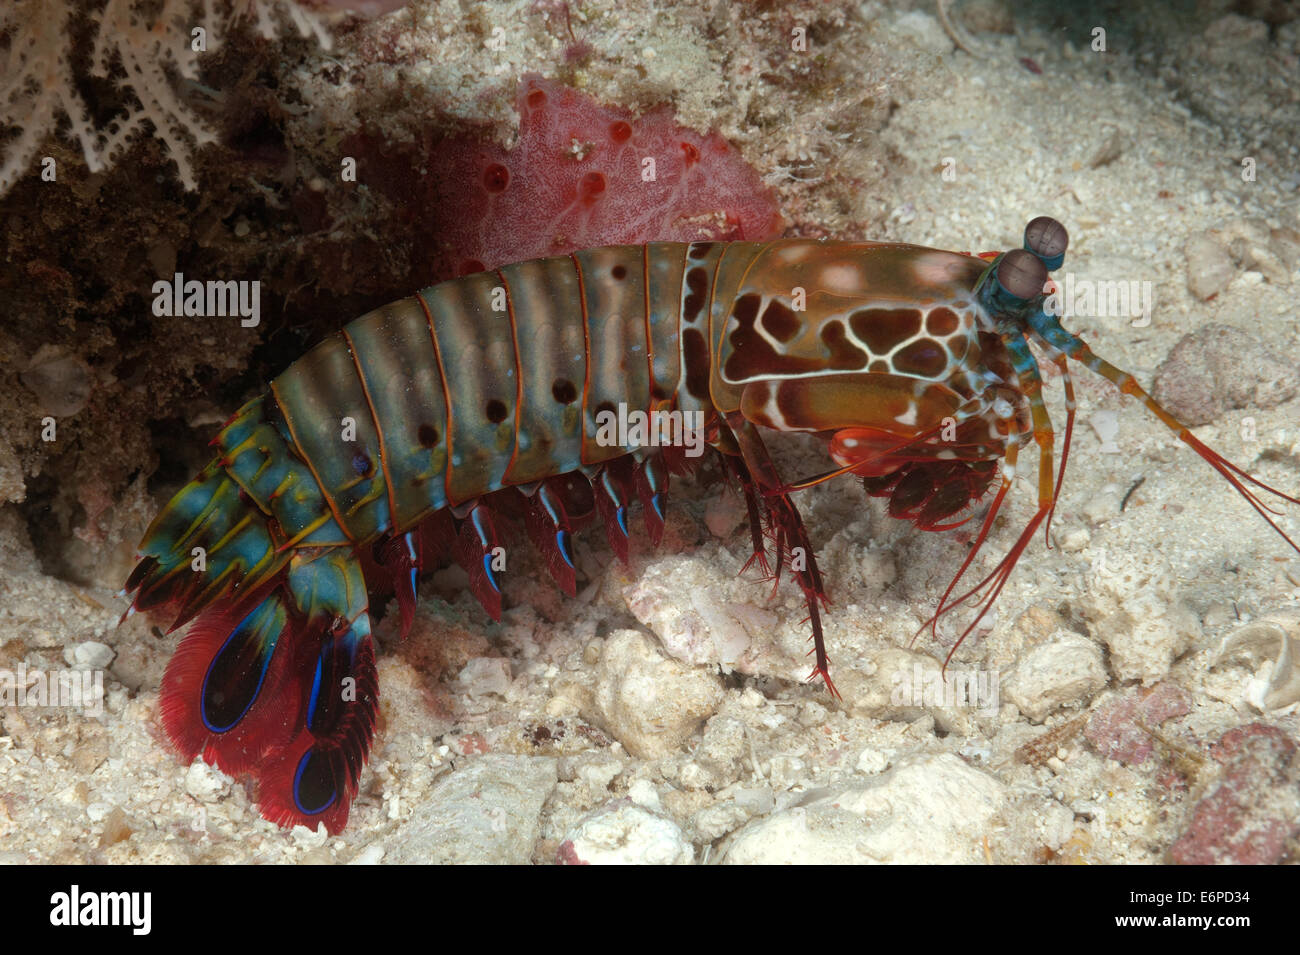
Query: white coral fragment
1270	644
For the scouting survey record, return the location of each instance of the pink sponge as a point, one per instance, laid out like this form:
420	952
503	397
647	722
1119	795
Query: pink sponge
584	175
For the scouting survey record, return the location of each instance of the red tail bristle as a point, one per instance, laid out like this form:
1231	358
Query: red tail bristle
274	794
262	730
342	754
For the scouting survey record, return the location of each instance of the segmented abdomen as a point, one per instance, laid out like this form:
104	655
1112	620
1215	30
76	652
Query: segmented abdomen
488	381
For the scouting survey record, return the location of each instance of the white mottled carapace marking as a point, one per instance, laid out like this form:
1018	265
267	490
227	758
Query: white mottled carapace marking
842	277
794	253
936	267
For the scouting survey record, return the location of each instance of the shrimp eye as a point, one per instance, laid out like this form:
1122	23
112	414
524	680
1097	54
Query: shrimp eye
1022	274
1047	239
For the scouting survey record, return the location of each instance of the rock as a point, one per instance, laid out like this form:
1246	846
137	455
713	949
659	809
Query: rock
1210	269
1219	369
60	381
626	834
713	822
485	813
486	675
872	761
370	855
597	770
649	703
1144	634
1121	728
205	783
1252	813
926	810
722	750
697	617
89	654
1068	669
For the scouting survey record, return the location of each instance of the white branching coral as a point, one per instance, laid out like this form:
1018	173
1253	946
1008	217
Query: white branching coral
37	85
145	50
146	46
306	22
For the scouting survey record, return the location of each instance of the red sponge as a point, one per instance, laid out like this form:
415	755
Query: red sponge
584	175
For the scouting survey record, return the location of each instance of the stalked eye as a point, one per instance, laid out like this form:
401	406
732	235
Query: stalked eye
1022	274
1047	239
